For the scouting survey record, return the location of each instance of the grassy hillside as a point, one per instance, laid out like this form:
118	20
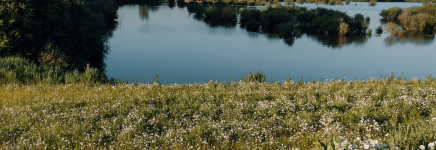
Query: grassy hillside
375	113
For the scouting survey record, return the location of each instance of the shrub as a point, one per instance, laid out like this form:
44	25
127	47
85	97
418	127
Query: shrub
256	77
343	28
369	32
379	30
252	25
393	29
415	19
372	2
391	13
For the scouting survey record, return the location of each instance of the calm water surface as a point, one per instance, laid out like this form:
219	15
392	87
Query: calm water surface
180	49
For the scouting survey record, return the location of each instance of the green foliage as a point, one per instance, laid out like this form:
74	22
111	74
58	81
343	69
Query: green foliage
156	79
379	30
250	19
271	18
413	19
391	13
57	32
19	70
369	32
325	21
254	77
215	14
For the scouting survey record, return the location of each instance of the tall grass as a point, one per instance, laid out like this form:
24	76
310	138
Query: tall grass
20	70
388	112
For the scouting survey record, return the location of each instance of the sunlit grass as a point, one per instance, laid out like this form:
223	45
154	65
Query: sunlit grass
392	112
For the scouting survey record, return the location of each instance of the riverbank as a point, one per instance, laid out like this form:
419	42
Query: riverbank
395	112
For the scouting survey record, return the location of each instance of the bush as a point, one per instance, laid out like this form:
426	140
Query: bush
252	25
343	28
391	13
249	14
372	2
393	29
414	19
369	32
379	30
254	77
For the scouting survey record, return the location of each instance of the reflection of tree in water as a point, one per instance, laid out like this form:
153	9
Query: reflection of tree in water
413	38
289	41
339	41
171	3
143	11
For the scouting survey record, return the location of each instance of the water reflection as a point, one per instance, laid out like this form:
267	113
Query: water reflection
339	41
334	42
143	12
412	38
172	4
182	49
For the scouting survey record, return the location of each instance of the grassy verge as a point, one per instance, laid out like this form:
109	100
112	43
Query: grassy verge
386	113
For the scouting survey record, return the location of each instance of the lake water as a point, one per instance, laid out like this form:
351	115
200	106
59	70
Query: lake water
180	49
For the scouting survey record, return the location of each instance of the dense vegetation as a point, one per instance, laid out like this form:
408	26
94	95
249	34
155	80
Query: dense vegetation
385	113
414	19
217	14
70	34
22	71
286	21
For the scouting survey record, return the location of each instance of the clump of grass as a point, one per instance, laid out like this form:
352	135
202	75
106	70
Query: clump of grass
20	70
254	77
156	79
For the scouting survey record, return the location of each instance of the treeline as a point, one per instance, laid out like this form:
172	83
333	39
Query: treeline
413	19
66	33
214	14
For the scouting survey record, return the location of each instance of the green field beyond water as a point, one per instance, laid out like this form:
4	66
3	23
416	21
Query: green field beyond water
382	113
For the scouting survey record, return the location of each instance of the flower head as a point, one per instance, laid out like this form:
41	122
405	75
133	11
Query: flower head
365	146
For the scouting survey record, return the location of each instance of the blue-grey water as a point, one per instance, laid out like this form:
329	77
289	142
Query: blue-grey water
180	49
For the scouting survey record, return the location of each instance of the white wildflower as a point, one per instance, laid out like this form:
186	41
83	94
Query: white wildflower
422	147
365	146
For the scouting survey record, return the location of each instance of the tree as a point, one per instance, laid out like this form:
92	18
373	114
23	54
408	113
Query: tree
379	30
343	28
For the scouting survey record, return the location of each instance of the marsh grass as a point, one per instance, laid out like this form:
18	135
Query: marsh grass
238	115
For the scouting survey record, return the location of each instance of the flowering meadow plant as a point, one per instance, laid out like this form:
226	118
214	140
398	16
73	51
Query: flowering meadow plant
372	114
